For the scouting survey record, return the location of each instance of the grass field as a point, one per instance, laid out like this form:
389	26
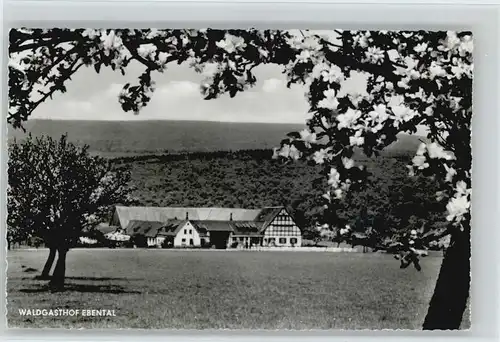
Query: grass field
225	290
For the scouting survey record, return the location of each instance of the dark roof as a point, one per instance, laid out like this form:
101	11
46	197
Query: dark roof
213	226
101	227
146	228
246	228
267	215
171	228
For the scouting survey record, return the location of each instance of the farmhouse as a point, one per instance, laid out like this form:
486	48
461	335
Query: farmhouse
218	227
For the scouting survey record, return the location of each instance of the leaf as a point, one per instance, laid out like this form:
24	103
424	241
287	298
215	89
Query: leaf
97	67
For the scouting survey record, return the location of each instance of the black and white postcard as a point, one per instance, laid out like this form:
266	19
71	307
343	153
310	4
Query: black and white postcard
239	179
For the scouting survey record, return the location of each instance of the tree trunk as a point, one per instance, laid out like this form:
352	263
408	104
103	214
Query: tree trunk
450	296
57	282
48	264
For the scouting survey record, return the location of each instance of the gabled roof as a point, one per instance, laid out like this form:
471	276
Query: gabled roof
105	229
267	215
171	228
123	215
101	227
154	228
146	228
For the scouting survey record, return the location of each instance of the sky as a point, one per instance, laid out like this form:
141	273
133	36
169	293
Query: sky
93	96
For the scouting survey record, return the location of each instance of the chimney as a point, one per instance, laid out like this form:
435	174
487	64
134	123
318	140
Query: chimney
230	216
187	215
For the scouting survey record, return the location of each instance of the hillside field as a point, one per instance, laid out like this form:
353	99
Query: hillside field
122	138
225	290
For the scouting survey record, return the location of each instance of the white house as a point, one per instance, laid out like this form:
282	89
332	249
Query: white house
219	227
282	231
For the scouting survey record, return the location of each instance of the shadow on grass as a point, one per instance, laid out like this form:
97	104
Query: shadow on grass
83	288
101	278
38	277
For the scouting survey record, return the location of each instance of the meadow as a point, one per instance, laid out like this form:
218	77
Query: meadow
225	290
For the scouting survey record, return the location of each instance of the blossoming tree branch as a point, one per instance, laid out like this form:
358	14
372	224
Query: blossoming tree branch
414	79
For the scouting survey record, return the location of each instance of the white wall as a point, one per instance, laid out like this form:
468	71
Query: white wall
187	233
287	242
156	241
276	231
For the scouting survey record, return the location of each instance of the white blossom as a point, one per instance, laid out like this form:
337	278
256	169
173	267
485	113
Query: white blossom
91	33
361	39
289	151
333	178
466	46
320	156
338	193
457	207
356	140
147	51
263	53
438	152
231	43
422	148
110	41
420	162
307	137
348	162
379	113
311	43
348	119
450	173
333	74
163	56
374	55
436	70
420	48
330	101
304	56
461	189
451	42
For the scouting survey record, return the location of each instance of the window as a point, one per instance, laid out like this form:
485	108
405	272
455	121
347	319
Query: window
235	239
190	231
282	240
282	230
185	231
293	241
183	240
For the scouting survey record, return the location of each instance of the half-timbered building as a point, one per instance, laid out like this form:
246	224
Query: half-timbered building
216	227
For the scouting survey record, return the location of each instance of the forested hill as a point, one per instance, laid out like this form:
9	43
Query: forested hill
230	165
122	138
252	179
